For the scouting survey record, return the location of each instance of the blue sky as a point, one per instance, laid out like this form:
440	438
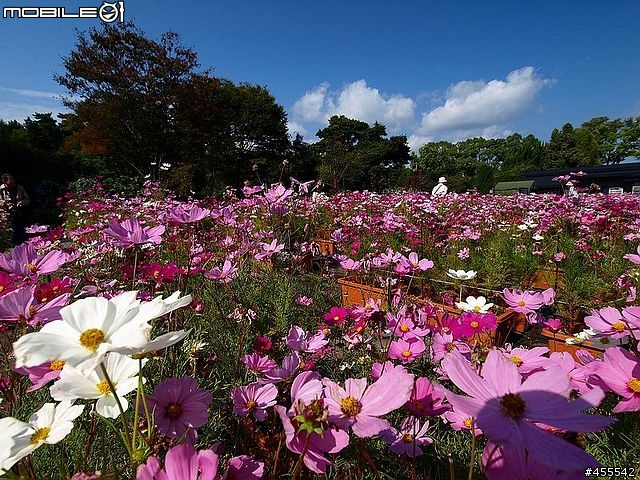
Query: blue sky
430	70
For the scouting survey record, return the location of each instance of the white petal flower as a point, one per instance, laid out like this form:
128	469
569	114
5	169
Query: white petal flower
74	383
461	274
91	327
473	304
50	425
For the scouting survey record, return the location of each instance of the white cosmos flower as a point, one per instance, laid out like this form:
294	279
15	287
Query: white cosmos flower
461	274
73	384
50	424
474	304
91	327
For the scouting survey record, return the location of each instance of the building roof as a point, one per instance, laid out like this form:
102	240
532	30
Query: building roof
514	187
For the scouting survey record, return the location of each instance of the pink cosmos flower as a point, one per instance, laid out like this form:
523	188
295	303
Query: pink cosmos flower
406	349
188	213
300	341
25	260
181	463
179	407
608	321
358	406
463	253
130	232
254	399
444	344
309	410
507	409
528	360
224	275
503	463
620	373
290	364
258	364
277	193
459	420
523	302
268	249
41	375
409	439
427	399
632	257
304	301
244	467
20	306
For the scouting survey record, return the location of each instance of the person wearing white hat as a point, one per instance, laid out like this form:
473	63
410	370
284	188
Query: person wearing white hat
440	188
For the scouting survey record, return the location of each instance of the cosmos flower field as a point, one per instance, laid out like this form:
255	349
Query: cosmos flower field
164	338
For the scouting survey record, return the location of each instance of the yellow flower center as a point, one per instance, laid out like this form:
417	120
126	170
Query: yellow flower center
618	326
1	288
407	438
350	406
634	385
33	268
406	353
404	328
90	339
450	347
522	303
474	324
40	435
156	273
103	387
468	422
32	311
251	404
477	308
513	406
336	318
517	360
56	365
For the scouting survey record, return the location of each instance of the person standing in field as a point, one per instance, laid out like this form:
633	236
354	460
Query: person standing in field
15	200
440	188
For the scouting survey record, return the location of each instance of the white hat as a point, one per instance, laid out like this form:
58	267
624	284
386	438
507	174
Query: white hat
442	180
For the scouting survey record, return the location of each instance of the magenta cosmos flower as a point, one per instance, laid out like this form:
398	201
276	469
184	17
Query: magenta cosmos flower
130	232
507	409
254	399
181	463
179	407
620	372
358	406
609	321
188	213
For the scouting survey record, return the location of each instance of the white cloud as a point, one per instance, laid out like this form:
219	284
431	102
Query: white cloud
478	106
295	127
356	100
20	111
31	93
472	108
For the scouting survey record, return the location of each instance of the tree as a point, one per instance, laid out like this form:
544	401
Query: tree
123	89
561	150
357	156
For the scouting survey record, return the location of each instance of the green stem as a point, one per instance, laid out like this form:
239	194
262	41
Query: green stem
473	451
125	424
135	266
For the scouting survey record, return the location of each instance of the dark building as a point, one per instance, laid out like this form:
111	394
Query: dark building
610	178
